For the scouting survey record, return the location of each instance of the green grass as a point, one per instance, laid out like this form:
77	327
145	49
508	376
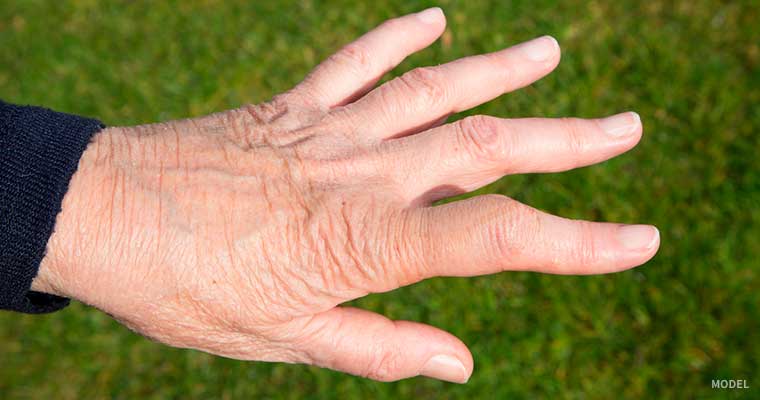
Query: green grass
690	68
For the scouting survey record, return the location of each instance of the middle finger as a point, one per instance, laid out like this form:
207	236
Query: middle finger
423	95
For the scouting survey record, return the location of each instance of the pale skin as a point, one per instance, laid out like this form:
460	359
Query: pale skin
241	233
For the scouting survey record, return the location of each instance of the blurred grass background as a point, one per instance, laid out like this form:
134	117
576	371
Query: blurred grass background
664	330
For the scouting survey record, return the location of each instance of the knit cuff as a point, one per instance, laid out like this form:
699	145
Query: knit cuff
41	149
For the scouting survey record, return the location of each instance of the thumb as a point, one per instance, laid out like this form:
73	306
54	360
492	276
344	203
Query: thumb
364	343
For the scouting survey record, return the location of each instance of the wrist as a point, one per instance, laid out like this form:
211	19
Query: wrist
62	271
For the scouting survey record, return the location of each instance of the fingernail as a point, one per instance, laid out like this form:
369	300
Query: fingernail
621	124
445	368
637	237
431	15
540	49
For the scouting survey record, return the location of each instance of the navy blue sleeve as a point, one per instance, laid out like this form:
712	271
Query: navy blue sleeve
39	153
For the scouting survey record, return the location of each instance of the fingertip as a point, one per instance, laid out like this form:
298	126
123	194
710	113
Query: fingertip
446	357
464	355
542	54
655	245
539	50
636	118
432	21
637	237
557	50
638	243
431	16
553	40
469	365
638	127
624	127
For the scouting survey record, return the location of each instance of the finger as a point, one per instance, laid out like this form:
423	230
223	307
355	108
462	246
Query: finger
492	233
367	344
425	94
358	66
475	151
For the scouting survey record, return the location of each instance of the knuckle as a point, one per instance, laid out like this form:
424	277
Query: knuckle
426	83
384	367
269	111
481	136
355	56
511	233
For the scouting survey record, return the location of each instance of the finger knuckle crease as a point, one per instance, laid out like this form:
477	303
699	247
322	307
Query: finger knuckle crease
355	56
426	82
585	254
576	140
481	136
384	367
513	233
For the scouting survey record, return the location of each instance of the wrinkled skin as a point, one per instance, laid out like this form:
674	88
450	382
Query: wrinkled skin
241	233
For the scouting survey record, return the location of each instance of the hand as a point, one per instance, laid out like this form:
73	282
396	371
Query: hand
241	233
